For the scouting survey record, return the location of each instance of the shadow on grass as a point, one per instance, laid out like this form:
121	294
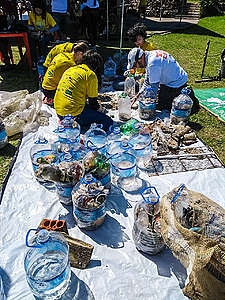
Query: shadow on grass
18	79
8	151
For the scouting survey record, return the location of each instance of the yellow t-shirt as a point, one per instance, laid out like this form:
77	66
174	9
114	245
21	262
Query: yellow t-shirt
40	23
147	46
76	84
61	48
58	66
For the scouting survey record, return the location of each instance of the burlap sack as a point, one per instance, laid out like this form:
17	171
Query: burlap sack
203	253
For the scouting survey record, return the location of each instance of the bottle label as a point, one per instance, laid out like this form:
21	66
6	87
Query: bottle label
181	112
91	215
105	179
64	191
147	106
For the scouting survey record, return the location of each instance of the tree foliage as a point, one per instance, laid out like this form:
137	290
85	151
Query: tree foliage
210	8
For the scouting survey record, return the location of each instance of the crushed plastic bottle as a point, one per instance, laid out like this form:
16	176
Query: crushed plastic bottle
129	86
124	107
109	69
181	107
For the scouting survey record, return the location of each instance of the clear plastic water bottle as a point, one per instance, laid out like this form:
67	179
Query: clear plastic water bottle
47	264
96	138
115	135
181	107
40	67
109	69
124	107
129	86
3	135
147	104
2	294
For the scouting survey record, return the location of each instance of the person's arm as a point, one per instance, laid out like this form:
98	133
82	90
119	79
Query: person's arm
53	29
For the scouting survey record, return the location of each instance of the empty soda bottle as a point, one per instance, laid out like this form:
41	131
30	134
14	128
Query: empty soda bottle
181	107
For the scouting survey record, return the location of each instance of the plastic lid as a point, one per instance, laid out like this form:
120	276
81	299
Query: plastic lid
43	236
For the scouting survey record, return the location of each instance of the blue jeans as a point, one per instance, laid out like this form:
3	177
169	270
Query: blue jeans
89	116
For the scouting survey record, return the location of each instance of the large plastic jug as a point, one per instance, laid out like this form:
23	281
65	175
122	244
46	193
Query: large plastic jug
146	230
109	69
69	130
181	107
147	104
95	138
129	86
115	135
47	264
124	107
89	203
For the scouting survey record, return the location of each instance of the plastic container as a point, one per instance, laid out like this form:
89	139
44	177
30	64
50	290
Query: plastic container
146	230
115	135
68	131
47	264
147	105
95	138
109	69
129	128
124	165
116	148
129	86
124	107
141	146
89	203
181	107
2	293
96	163
3	135
42	153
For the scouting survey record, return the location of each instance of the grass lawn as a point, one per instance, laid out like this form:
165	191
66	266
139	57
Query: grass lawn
188	47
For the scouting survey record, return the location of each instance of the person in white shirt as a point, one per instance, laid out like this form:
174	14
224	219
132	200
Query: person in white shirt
59	13
163	72
90	10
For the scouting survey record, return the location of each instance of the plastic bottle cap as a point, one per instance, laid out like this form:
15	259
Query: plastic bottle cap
43	236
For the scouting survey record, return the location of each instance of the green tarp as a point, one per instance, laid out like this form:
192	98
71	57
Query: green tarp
212	100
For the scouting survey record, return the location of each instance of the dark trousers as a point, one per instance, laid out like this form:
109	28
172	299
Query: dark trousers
167	94
41	43
49	93
90	18
89	116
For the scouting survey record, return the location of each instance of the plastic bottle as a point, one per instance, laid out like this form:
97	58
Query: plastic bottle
89	203
2	294
3	135
47	264
40	67
96	138
115	135
181	107
109	69
124	107
129	86
147	104
146	231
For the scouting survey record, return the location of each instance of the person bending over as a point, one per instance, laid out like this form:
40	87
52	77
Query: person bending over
66	47
41	27
162	72
58	66
78	84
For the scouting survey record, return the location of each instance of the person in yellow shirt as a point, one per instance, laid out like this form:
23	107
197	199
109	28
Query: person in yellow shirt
78	84
61	48
138	34
41	26
57	67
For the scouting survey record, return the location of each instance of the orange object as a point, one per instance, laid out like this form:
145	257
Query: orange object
26	43
54	225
